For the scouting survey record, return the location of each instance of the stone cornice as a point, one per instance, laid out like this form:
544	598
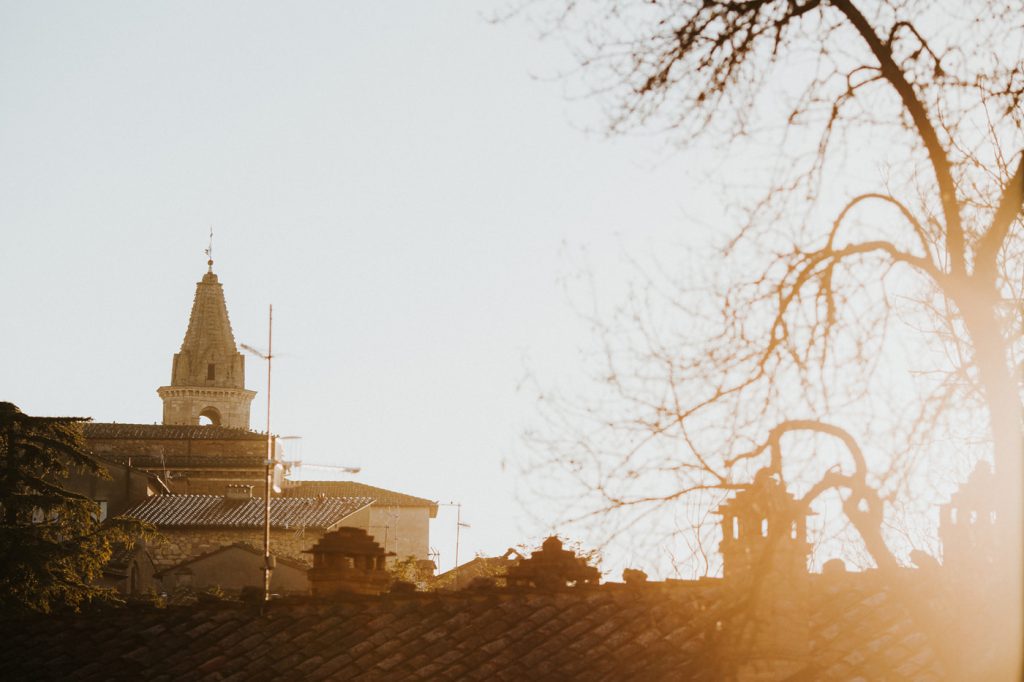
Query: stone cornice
204	392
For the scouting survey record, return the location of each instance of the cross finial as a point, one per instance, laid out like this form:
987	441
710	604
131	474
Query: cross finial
209	251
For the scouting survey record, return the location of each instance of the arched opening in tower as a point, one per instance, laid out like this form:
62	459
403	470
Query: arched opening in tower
209	417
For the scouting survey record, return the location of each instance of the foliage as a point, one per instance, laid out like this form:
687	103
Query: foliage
52	541
481	566
407	570
214	594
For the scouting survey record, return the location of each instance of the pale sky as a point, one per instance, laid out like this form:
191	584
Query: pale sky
392	176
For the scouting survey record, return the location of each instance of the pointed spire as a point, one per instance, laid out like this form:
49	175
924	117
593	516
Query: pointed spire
208	373
209	328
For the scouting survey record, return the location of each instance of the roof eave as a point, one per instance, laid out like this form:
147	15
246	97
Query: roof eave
337	524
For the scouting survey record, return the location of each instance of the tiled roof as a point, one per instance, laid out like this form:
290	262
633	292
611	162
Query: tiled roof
110	431
659	632
382	496
494	568
213	511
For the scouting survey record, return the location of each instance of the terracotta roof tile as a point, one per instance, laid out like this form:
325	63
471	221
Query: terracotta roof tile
212	511
382	496
655	633
115	431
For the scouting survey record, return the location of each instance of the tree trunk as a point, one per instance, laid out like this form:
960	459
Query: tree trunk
1001	394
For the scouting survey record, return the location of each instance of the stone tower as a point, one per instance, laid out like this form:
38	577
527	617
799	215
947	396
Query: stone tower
208	373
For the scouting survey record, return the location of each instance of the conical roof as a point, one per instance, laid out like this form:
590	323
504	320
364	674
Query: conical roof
209	328
208	355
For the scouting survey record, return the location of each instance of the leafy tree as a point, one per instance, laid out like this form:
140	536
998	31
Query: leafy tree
481	567
867	297
52	541
408	570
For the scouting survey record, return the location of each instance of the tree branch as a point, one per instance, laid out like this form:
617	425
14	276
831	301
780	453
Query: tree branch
1010	206
941	167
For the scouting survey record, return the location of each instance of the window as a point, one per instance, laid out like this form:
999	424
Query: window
211	371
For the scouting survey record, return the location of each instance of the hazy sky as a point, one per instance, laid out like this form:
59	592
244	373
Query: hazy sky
392	176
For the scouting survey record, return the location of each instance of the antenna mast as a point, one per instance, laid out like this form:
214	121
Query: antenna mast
267	559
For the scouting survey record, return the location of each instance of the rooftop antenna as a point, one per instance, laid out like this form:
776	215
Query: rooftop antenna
268	560
459	525
298	462
327	467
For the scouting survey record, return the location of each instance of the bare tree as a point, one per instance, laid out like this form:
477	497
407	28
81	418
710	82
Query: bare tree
869	294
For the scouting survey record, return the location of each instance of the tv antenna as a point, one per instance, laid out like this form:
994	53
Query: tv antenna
268	560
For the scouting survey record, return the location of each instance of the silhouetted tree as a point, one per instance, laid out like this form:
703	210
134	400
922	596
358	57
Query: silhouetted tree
53	543
884	139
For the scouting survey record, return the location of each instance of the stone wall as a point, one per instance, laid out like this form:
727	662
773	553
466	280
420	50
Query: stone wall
203	467
153	449
176	545
233	570
125	487
185	404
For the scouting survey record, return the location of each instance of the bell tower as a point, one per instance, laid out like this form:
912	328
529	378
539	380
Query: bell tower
208	373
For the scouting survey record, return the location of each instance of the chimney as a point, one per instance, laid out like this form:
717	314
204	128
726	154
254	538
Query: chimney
764	550
238	491
552	568
348	561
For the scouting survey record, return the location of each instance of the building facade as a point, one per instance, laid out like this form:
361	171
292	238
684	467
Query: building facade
193	525
204	447
400	523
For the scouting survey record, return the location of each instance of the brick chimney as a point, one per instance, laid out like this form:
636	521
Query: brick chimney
764	552
552	568
348	560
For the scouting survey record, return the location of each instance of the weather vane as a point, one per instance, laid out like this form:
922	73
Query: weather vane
209	251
